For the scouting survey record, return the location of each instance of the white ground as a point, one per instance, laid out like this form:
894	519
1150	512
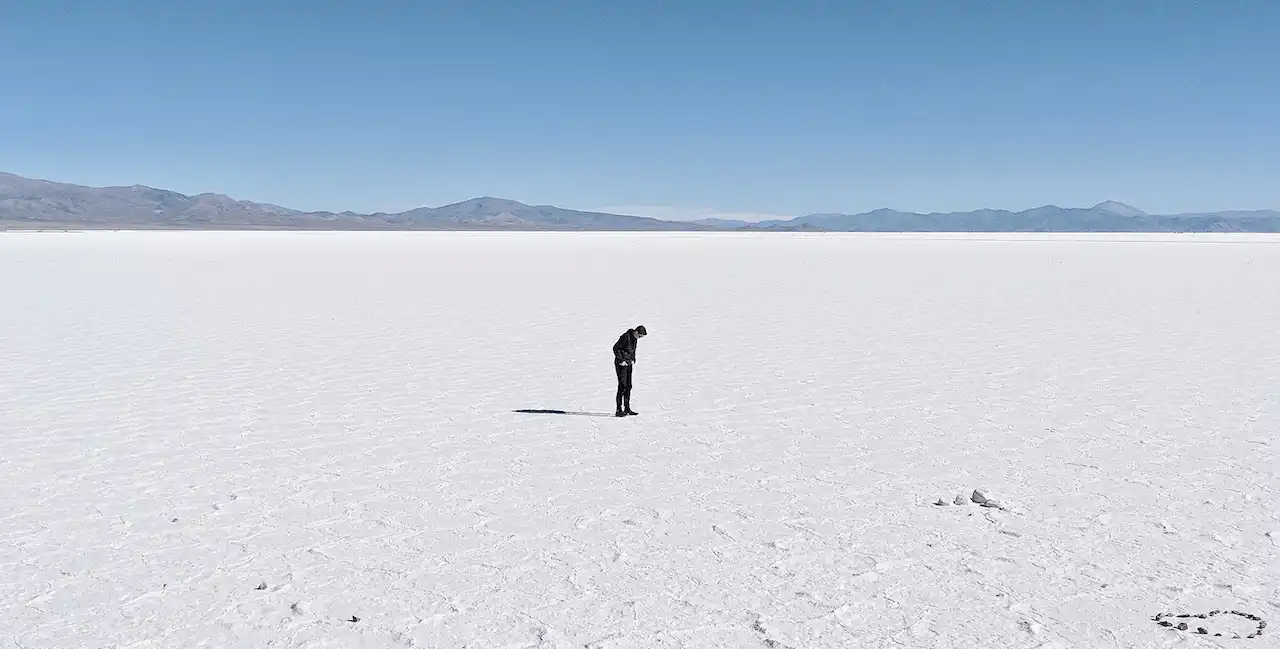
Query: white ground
184	417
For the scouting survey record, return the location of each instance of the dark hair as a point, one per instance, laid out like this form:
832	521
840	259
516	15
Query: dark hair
640	330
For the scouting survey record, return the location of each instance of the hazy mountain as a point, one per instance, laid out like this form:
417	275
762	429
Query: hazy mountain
1118	209
501	213
27	203
1109	216
722	223
780	226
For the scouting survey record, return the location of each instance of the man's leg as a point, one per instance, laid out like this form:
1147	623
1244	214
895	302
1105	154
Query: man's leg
626	395
622	387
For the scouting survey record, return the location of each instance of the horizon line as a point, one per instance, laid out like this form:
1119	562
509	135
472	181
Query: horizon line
637	210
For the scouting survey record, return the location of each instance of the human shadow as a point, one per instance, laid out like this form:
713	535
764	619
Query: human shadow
545	411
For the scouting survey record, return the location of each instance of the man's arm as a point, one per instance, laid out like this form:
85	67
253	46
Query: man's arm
620	350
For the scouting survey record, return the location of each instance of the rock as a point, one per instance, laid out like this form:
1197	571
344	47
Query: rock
986	498
262	586
960	499
1182	626
980	495
1202	631
1166	623
941	502
354	619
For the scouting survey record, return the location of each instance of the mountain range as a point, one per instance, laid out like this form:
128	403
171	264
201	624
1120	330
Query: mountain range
40	204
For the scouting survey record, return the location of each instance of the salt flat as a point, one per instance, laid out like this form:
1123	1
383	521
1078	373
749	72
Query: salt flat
250	439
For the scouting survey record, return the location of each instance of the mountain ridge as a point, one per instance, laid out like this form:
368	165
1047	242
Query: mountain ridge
27	203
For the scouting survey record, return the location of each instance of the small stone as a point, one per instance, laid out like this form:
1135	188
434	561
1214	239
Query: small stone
354	619
1166	623
262	586
1217	635
1182	626
1184	615
980	495
1215	612
960	500
1262	624
1200	616
941	502
1202	631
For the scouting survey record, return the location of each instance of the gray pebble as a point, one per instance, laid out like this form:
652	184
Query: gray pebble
1182	626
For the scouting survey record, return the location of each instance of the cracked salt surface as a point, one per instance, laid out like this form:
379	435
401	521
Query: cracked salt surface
305	440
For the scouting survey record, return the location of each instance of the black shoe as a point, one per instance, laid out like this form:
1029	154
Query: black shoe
630	412
619	414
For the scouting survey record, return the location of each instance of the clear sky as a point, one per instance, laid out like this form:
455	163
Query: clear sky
687	108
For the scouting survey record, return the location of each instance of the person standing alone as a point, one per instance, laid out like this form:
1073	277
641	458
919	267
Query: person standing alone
624	361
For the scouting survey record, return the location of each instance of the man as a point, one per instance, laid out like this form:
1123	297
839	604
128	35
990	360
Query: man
624	360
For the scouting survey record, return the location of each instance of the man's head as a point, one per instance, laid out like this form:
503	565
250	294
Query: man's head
640	331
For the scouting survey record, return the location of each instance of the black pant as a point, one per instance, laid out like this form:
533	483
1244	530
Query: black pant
624	386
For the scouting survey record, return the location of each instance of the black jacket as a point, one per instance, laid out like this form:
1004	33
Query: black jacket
625	348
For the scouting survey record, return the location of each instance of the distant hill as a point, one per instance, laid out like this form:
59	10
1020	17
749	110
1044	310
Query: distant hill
26	203
25	200
1109	216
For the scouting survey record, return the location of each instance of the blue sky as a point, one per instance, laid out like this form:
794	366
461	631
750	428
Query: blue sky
683	108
